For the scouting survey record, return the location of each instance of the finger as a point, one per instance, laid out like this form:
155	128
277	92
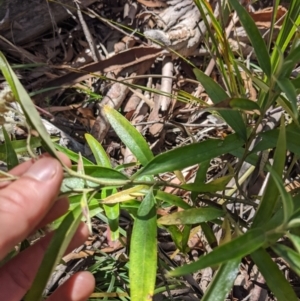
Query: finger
27	201
17	275
21	168
78	288
59	208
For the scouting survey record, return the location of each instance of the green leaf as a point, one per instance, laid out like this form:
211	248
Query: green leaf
11	156
288	88
143	251
287	31
129	135
200	177
271	193
254	36
290	62
189	155
98	151
273	276
295	240
30	112
20	146
217	95
209	234
107	175
191	216
186	231
291	257
213	186
176	236
236	249
126	195
112	211
288	206
72	155
270	138
58	246
222	282
245	105
172	199
70	184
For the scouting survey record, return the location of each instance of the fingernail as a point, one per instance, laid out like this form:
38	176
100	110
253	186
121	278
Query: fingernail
42	170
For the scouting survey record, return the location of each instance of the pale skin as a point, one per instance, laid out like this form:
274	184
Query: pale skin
26	205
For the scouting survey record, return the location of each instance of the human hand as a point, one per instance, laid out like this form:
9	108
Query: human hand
26	205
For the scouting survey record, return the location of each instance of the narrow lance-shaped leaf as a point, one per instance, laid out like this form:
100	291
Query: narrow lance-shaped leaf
222	282
245	105
273	276
254	36
288	88
213	186
191	216
172	199
237	248
143	251
189	155
21	95
20	146
54	253
287	201
287	31
217	95
72	155
126	195
291	257
295	240
112	211
129	135
270	196
98	151
11	156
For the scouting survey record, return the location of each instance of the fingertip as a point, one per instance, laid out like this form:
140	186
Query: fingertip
78	288
83	230
83	286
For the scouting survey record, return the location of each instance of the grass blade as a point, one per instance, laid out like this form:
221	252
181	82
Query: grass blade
11	156
288	206
271	193
287	31
255	37
291	257
273	276
288	88
236	249
54	253
143	251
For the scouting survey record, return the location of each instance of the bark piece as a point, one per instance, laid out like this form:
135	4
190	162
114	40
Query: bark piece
27	19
